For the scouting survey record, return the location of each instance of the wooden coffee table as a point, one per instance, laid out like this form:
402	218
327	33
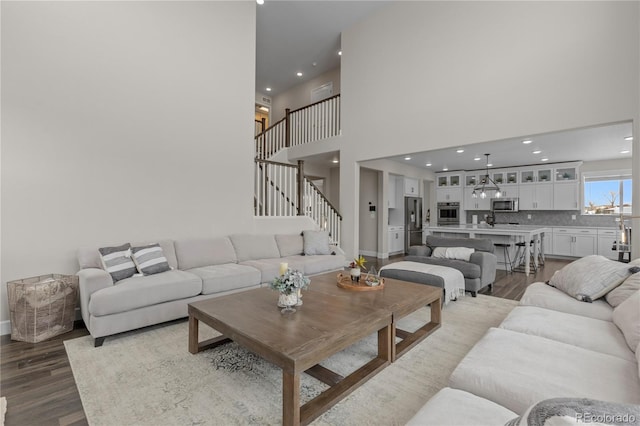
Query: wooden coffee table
399	297
297	342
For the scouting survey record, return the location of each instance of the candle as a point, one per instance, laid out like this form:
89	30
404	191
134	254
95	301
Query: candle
283	268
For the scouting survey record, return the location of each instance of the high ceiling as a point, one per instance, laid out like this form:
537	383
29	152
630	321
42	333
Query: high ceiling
586	144
293	35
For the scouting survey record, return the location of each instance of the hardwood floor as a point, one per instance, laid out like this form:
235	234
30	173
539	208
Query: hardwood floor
38	383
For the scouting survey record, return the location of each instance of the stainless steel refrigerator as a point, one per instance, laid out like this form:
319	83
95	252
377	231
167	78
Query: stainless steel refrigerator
412	222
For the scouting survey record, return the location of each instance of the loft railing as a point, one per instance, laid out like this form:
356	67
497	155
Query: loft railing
282	190
260	126
320	120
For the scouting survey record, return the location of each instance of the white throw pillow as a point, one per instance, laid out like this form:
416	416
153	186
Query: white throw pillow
316	242
624	290
439	253
590	277
457	253
627	317
460	253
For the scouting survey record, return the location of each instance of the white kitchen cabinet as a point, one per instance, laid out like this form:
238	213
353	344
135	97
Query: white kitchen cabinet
575	242
445	180
396	239
565	196
606	239
471	203
391	196
536	196
449	194
411	187
566	173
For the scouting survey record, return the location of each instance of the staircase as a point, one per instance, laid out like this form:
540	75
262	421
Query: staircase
281	189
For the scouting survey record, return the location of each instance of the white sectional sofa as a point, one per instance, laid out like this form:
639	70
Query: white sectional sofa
201	268
551	346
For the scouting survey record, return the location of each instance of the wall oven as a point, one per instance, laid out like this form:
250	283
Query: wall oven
448	214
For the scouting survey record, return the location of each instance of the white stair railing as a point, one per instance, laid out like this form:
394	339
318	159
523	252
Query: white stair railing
276	191
318	208
281	190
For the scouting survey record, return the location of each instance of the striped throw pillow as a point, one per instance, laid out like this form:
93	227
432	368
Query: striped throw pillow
117	261
150	259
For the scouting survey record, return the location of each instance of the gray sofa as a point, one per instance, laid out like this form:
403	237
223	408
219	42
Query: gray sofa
479	271
201	268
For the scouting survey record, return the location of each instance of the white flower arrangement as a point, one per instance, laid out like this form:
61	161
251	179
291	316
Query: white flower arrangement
290	282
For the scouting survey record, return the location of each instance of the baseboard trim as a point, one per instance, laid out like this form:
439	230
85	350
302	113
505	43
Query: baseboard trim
369	253
5	328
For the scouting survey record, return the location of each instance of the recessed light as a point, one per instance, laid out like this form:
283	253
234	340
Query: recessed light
428	164
263	108
544	159
445	169
477	159
537	151
628	138
407	158
260	1
625	151
460	151
339	52
335	161
268	89
489	164
299	74
527	142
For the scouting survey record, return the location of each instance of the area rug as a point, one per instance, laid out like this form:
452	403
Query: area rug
148	377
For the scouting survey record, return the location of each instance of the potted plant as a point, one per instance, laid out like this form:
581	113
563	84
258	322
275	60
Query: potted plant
529	178
544	178
356	266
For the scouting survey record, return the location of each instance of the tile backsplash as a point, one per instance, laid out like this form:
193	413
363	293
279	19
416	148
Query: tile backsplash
549	218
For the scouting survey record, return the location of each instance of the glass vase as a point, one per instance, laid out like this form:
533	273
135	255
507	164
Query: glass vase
288	301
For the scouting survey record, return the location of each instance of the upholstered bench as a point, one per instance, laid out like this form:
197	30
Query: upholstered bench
449	279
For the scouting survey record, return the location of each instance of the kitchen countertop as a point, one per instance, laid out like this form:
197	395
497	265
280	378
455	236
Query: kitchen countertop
502	229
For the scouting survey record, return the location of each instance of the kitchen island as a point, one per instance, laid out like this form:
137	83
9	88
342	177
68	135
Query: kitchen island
514	233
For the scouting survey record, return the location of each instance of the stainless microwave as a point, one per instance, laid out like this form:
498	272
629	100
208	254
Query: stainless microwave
504	204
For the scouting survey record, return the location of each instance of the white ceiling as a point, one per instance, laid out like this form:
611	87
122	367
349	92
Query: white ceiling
293	35
587	144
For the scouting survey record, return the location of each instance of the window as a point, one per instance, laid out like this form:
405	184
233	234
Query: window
607	193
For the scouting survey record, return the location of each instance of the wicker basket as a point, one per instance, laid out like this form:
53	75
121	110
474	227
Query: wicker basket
42	307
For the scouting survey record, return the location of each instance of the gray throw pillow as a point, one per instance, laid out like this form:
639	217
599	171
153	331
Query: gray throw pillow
572	411
117	261
150	259
290	245
590	277
316	242
624	290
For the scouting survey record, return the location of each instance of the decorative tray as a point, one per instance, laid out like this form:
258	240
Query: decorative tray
344	281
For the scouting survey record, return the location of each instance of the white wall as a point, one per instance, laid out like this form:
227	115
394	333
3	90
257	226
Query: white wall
428	75
116	126
300	95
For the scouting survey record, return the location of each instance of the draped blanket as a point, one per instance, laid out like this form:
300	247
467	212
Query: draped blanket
453	279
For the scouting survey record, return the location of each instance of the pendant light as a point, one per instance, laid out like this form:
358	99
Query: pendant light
486	184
